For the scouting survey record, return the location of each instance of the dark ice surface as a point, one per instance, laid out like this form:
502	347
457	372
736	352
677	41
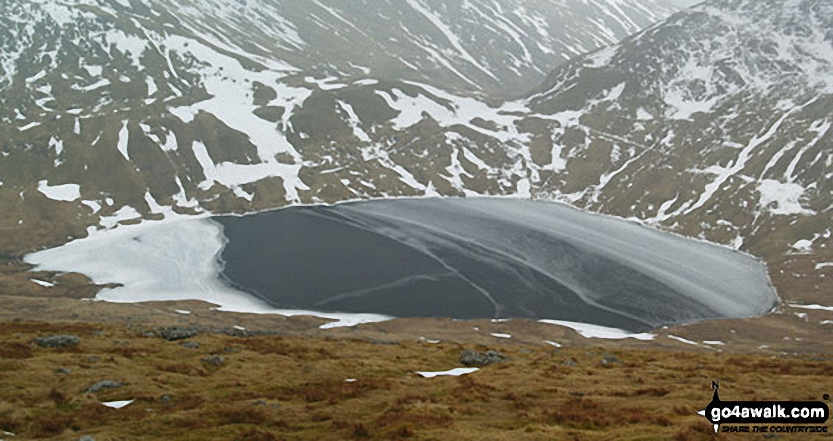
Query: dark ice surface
487	258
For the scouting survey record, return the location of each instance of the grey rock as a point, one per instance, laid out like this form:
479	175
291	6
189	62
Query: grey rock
611	360
102	385
176	333
86	438
63	371
474	358
214	360
190	344
57	341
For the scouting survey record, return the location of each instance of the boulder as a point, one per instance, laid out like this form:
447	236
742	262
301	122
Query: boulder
474	358
57	341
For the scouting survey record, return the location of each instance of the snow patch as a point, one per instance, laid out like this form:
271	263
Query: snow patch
785	196
456	372
595	331
64	192
117	404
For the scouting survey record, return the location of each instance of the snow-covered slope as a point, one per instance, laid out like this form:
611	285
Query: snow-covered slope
497	46
714	123
228	105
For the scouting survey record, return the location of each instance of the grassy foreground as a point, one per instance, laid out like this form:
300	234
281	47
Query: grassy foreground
242	387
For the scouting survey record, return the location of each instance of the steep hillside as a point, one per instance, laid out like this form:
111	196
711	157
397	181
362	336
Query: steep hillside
115	109
714	123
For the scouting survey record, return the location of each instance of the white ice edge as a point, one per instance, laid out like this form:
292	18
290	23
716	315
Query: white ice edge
187	271
456	372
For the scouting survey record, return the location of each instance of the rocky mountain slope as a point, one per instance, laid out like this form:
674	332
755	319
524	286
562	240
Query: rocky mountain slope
713	123
115	110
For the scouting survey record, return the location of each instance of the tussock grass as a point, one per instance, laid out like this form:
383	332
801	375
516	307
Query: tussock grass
293	388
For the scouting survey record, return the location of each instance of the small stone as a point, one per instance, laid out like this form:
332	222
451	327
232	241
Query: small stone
214	360
86	438
611	360
176	333
190	344
57	341
101	385
63	371
474	358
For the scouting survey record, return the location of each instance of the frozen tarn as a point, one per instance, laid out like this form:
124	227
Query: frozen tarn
824	265
170	260
595	331
456	372
507	257
713	343
63	192
499	335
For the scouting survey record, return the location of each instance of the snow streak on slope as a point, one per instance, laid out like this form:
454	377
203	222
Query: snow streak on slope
719	125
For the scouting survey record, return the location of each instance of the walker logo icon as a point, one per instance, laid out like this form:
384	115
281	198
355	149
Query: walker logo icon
766	416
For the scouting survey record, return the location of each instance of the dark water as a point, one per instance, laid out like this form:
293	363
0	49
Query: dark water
486	258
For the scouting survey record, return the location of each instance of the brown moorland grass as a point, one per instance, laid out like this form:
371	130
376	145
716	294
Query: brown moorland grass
295	388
